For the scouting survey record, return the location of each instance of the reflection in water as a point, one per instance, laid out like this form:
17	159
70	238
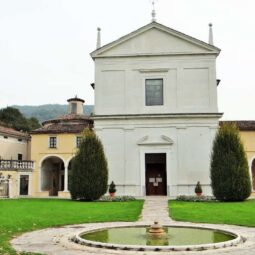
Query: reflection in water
103	236
157	240
175	236
154	241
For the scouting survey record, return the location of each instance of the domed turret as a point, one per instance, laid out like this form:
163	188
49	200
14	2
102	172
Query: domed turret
75	105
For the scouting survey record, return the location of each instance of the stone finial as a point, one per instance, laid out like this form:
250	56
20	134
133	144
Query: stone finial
153	13
210	34
98	37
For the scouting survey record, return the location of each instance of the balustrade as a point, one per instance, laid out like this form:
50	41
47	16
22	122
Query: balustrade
16	164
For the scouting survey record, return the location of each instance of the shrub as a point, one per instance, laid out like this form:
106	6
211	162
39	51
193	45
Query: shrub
198	188
116	199
112	188
230	178
89	171
195	198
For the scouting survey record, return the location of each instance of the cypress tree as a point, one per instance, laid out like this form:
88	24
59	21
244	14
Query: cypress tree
89	170
230	178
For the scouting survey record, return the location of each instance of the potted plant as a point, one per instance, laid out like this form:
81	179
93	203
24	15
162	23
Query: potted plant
112	189
198	189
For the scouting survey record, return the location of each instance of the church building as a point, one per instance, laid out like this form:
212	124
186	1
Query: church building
156	110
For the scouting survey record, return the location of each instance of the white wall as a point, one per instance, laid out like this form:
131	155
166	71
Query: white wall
11	147
188	156
155	40
189	84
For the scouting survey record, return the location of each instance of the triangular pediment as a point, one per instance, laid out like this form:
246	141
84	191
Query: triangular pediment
157	140
155	39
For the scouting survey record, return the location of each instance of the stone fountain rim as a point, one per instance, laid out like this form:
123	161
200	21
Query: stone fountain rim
79	240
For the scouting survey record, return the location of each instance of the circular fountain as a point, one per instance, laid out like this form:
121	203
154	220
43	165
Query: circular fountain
157	238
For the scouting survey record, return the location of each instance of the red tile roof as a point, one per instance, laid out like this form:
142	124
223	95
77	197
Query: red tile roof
12	132
69	123
75	99
68	118
243	125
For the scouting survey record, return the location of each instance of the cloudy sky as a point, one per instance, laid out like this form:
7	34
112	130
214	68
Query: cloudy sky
45	45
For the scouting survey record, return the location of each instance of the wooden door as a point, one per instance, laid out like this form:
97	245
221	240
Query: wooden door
253	177
253	174
54	183
24	182
155	180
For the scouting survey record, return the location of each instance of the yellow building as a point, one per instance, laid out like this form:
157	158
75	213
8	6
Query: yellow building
52	148
247	133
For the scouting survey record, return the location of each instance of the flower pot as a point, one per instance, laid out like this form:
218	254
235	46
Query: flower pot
112	194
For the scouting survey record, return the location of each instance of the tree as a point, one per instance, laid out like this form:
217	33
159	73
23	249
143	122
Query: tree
33	123
89	170
230	178
13	118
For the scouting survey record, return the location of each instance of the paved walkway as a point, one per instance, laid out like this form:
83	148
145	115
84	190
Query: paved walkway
156	208
56	241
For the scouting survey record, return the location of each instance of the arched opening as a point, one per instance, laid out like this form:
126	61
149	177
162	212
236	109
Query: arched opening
52	175
253	174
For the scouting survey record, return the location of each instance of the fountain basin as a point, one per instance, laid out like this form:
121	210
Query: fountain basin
177	238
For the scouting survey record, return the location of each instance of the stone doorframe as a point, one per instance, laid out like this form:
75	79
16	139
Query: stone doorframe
30	181
159	144
144	151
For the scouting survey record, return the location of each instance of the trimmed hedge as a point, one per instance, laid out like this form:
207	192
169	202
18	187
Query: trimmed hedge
230	178
116	199
89	170
195	198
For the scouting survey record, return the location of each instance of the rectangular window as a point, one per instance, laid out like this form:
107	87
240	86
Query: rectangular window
5	137
154	92
78	141
53	142
20	139
19	156
73	108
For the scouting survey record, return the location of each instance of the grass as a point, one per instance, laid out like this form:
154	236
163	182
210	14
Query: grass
235	213
22	215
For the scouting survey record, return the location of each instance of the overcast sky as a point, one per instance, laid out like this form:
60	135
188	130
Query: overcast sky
45	45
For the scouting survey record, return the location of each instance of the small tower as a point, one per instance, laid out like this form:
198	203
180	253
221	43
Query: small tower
75	105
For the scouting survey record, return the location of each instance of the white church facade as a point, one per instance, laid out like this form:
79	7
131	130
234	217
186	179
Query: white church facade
156	110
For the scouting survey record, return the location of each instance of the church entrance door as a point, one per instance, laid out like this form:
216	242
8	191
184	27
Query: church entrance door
155	164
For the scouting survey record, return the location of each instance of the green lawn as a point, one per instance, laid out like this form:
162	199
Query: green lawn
236	213
22	215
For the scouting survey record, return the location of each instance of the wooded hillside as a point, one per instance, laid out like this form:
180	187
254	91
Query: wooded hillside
48	111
